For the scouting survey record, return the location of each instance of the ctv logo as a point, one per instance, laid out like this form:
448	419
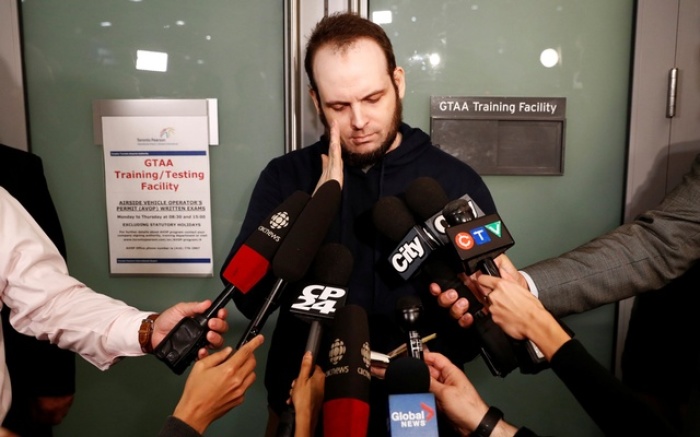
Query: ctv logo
477	236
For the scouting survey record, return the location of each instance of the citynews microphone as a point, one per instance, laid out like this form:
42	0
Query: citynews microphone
297	251
346	396
317	304
414	253
412	410
245	269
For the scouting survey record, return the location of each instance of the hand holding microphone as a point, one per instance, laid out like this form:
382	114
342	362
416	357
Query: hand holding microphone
248	266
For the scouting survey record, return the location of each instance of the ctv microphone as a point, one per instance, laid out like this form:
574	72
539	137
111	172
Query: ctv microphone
248	266
411	406
477	241
317	304
297	251
408	311
346	397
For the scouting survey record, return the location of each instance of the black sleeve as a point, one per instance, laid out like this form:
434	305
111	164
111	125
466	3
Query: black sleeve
174	427
613	407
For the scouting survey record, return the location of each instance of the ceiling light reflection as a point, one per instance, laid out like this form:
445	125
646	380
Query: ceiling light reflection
549	58
151	61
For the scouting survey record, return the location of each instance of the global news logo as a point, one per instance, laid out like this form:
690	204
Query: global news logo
478	236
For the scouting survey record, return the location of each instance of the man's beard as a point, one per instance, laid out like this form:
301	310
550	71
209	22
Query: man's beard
368	159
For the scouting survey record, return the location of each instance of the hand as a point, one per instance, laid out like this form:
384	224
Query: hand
307	395
333	162
521	315
216	384
51	410
454	393
170	317
458	306
505	266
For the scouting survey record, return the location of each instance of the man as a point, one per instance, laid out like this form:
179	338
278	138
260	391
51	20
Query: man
43	375
357	90
49	304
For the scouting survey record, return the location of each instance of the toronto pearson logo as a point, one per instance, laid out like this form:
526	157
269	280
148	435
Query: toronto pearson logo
167	132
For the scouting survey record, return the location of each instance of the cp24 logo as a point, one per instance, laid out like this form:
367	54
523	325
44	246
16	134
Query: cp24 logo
319	299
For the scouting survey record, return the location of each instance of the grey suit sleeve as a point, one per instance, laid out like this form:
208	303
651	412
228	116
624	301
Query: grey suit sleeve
657	247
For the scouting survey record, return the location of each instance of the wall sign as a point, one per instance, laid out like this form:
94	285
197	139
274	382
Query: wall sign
501	135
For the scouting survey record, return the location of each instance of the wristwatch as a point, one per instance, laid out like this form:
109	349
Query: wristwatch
145	333
488	423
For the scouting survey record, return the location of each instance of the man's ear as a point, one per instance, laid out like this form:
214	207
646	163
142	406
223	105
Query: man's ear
400	81
314	98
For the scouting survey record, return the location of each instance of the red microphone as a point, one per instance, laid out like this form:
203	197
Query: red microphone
346	395
248	266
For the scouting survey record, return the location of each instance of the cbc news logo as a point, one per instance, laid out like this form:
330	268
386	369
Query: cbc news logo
279	220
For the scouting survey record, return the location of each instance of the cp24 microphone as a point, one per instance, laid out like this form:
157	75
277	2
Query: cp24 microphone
411	406
408	311
346	396
317	304
297	251
248	266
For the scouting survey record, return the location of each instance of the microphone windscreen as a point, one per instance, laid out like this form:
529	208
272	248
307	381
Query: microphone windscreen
349	355
425	197
406	375
252	260
296	253
392	217
332	265
346	394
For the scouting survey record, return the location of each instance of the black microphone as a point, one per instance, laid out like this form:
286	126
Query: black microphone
245	269
478	240
393	219
317	304
346	396
297	251
412	408
408	311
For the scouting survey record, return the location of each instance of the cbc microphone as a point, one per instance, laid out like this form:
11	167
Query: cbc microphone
317	304
346	396
412	409
297	251
408	311
248	266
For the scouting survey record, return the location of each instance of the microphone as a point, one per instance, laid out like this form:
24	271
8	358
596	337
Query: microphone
392	218
248	266
411	406
408	311
477	241
317	304
346	397
297	251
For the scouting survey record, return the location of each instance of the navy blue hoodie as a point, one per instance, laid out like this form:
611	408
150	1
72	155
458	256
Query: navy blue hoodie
373	284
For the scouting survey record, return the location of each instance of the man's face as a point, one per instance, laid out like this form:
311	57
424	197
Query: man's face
355	90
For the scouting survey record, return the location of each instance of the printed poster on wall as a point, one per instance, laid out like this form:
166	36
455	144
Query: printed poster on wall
158	195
